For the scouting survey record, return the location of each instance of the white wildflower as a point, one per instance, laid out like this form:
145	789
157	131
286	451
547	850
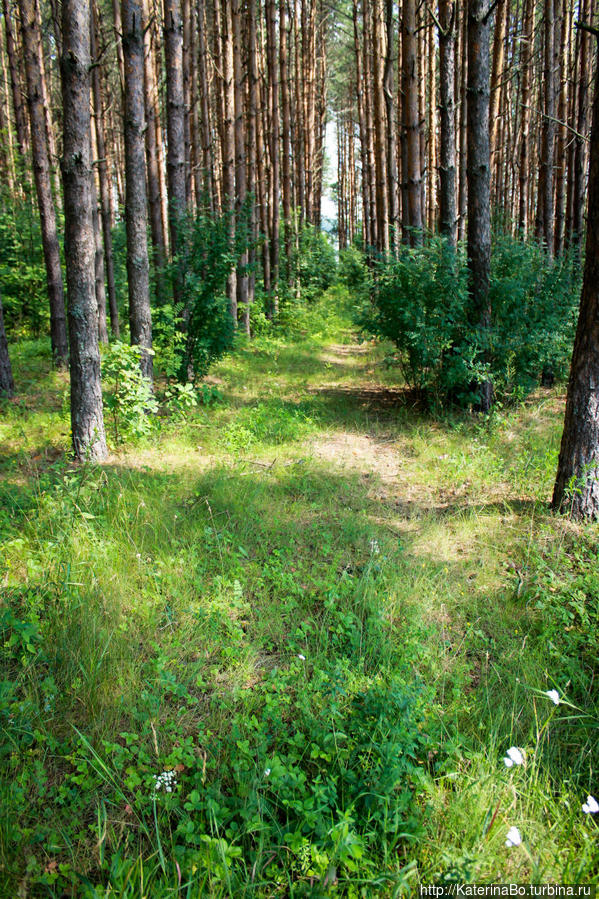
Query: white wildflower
513	757
591	806
301	657
267	772
513	837
553	696
168	780
374	547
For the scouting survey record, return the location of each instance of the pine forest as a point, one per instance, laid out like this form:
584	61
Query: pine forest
299	448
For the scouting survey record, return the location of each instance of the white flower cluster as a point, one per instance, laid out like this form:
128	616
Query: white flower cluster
513	837
591	806
168	780
513	757
374	547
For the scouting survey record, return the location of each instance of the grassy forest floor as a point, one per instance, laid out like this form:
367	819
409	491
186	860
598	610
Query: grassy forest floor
326	612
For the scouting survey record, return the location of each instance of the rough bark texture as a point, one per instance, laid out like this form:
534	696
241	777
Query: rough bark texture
138	270
7	385
103	178
447	167
240	161
412	220
577	483
528	22
479	210
41	171
87	421
13	67
175	117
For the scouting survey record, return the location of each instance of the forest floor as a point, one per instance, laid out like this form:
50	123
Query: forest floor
327	612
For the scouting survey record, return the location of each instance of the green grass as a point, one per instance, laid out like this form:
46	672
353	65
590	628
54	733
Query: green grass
308	578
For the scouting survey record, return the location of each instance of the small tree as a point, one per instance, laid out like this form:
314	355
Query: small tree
577	483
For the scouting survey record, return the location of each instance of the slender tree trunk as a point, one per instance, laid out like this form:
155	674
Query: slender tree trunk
7	384
103	178
286	134
153	155
274	150
175	119
87	421
463	167
447	168
413	222
13	68
388	84
138	271
562	53
228	141
581	127
240	160
527	36
479	210
41	170
577	483
545	197
382	199
100	278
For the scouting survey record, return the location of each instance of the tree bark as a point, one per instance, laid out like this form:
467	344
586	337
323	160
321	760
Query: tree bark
138	271
175	119
240	161
447	168
103	178
41	170
479	210
87	421
577	483
13	68
411	126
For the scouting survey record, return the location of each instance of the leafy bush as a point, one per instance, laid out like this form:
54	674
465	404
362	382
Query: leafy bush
200	328
127	394
22	269
420	302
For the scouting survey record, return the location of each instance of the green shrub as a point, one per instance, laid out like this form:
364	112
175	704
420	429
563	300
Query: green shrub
128	395
420	302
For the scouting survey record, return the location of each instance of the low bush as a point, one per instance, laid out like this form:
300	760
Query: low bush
420	302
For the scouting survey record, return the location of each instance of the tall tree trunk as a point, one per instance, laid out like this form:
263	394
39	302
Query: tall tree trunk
103	177
240	161
100	277
388	84
545	197
577	483
175	119
380	128
7	384
581	127
228	141
413	222
463	155
271	38
524	164
87	420
479	210
13	68
138	271
153	153
362	129
447	169
286	134
563	53
41	170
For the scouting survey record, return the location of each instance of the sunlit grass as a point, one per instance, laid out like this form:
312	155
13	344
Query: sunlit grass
307	512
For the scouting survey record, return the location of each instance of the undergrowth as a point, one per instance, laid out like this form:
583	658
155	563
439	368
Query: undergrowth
282	644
